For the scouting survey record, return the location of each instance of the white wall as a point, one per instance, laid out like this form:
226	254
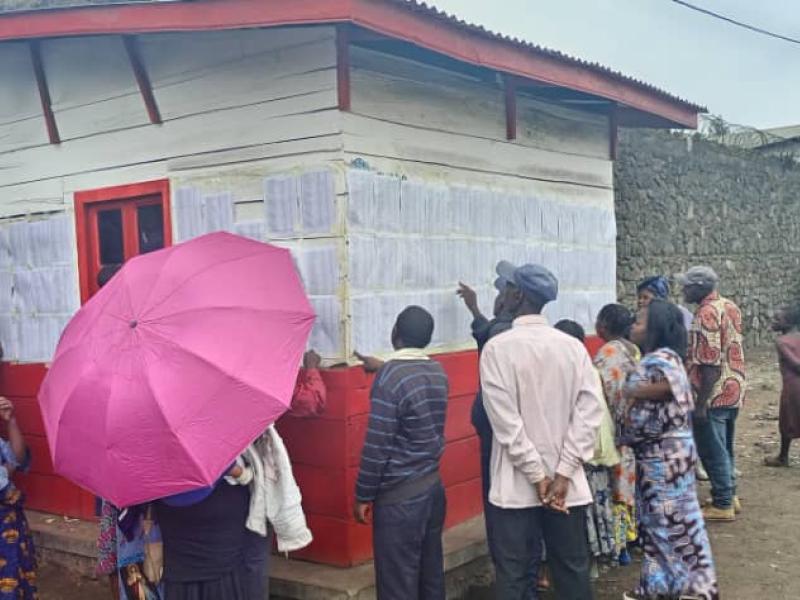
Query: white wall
443	196
251	126
226	98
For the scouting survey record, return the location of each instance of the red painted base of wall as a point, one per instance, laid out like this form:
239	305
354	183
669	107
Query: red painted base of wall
325	453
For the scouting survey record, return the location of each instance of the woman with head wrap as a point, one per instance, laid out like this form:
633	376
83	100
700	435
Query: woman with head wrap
657	287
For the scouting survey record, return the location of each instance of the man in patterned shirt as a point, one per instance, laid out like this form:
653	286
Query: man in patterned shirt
716	370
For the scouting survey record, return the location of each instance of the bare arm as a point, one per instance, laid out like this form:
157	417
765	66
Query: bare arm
15	437
660	390
709	375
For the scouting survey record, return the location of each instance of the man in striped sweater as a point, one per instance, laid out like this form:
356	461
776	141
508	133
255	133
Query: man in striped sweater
399	475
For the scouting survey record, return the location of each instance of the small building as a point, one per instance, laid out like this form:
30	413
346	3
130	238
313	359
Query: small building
394	149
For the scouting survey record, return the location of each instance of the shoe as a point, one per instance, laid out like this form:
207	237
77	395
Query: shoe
624	558
700	472
594	571
737	505
632	596
712	513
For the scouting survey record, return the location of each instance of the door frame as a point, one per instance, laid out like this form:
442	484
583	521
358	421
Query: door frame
120	193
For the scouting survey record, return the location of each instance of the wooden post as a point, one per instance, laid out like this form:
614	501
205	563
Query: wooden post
510	84
343	66
142	79
44	92
613	132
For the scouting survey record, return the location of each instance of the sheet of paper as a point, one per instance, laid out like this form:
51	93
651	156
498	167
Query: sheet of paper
218	212
189	213
281	197
566	224
255	230
326	336
9	330
319	268
6	287
5	247
439	209
360	200
386	197
550	217
317	202
362	263
413	207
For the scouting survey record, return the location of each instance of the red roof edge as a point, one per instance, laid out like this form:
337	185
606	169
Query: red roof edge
406	20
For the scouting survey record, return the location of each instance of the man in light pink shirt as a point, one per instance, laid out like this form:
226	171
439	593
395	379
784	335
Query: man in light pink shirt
542	397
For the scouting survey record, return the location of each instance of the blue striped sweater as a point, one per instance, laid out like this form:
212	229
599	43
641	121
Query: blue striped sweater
405	437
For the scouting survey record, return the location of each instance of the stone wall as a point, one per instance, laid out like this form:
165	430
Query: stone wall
682	202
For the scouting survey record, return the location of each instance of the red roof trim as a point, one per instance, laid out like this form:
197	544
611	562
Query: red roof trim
401	19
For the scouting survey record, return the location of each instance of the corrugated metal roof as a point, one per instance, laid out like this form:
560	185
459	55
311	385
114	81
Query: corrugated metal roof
436	13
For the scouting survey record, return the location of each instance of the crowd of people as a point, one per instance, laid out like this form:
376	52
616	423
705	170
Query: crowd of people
583	458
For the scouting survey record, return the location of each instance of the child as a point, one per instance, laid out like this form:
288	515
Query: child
18	556
399	475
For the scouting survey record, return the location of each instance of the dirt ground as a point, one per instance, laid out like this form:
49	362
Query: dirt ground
758	556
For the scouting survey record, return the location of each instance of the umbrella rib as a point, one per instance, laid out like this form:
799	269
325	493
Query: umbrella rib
294	312
177	288
205	361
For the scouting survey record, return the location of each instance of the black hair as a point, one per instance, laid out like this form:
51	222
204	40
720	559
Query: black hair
617	319
665	328
414	327
571	328
106	273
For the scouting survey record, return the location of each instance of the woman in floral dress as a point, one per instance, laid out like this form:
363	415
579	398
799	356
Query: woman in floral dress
656	423
614	362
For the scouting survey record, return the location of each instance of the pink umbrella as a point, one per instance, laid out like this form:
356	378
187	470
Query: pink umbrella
174	367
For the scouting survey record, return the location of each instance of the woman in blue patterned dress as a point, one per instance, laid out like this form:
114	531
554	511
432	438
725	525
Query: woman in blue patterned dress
17	554
656	423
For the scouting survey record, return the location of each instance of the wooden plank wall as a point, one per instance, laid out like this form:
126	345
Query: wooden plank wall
415	119
427	123
225	97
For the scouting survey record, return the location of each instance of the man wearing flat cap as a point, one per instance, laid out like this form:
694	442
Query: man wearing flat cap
715	363
543	400
484	329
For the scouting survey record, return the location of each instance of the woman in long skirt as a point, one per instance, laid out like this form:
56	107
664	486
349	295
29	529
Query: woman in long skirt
203	535
615	361
656	424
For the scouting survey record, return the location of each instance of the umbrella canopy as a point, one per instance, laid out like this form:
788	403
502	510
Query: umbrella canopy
174	367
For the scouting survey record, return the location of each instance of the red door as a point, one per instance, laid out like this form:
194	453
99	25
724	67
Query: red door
116	224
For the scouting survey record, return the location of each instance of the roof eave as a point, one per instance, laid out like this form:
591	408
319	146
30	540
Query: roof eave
645	105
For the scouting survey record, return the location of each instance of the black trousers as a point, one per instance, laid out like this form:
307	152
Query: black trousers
518	540
407	536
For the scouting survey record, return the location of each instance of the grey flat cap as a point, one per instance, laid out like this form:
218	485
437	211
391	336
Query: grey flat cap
700	275
536	280
505	275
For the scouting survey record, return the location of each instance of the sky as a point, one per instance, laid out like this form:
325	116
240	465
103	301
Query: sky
747	78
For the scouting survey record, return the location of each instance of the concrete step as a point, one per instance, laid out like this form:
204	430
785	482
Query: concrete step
71	543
